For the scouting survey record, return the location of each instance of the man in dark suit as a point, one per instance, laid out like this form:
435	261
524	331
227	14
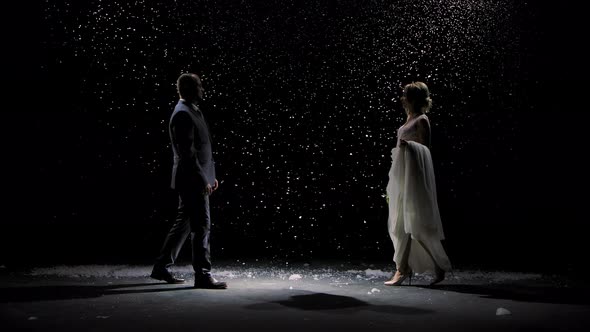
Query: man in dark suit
193	178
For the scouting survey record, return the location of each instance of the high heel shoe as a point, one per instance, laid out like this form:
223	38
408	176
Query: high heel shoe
398	278
439	276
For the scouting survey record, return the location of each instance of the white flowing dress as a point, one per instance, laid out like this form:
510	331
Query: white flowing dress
413	207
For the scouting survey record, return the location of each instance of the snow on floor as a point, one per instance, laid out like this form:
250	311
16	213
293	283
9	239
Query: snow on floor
334	274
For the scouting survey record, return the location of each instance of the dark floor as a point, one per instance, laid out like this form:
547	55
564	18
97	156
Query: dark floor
330	296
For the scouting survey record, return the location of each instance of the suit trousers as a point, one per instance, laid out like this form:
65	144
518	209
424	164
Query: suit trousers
193	218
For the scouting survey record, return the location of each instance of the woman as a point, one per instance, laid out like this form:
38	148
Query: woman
414	221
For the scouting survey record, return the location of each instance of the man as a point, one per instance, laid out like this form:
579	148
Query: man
193	178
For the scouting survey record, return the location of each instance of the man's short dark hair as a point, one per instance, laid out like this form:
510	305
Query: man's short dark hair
187	85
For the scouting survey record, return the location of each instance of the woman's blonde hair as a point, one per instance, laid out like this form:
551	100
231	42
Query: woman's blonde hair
417	95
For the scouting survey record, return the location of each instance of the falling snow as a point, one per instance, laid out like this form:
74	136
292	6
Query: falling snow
302	99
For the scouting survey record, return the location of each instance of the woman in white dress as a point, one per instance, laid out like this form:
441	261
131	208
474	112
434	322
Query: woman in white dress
414	221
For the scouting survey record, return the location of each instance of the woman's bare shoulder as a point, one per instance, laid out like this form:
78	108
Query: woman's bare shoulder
423	120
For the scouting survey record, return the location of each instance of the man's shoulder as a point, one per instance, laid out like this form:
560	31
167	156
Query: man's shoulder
181	114
181	107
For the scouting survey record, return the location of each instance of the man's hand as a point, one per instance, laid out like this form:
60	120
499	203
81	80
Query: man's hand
208	190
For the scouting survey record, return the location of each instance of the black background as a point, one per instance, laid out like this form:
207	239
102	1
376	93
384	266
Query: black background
293	89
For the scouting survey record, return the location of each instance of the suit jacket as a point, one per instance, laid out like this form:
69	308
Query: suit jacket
194	166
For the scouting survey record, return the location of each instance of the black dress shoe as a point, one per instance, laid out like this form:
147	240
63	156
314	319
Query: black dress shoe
209	282
166	276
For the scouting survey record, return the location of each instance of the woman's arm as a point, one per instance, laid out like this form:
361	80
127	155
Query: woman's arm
423	131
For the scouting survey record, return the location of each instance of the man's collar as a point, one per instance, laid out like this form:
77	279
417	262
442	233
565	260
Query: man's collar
194	105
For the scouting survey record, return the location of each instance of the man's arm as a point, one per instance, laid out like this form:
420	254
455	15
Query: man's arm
183	132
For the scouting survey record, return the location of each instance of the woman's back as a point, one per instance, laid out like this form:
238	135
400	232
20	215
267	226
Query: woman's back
416	129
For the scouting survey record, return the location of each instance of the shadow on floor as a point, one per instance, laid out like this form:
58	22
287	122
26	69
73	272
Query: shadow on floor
303	301
333	304
67	292
523	293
